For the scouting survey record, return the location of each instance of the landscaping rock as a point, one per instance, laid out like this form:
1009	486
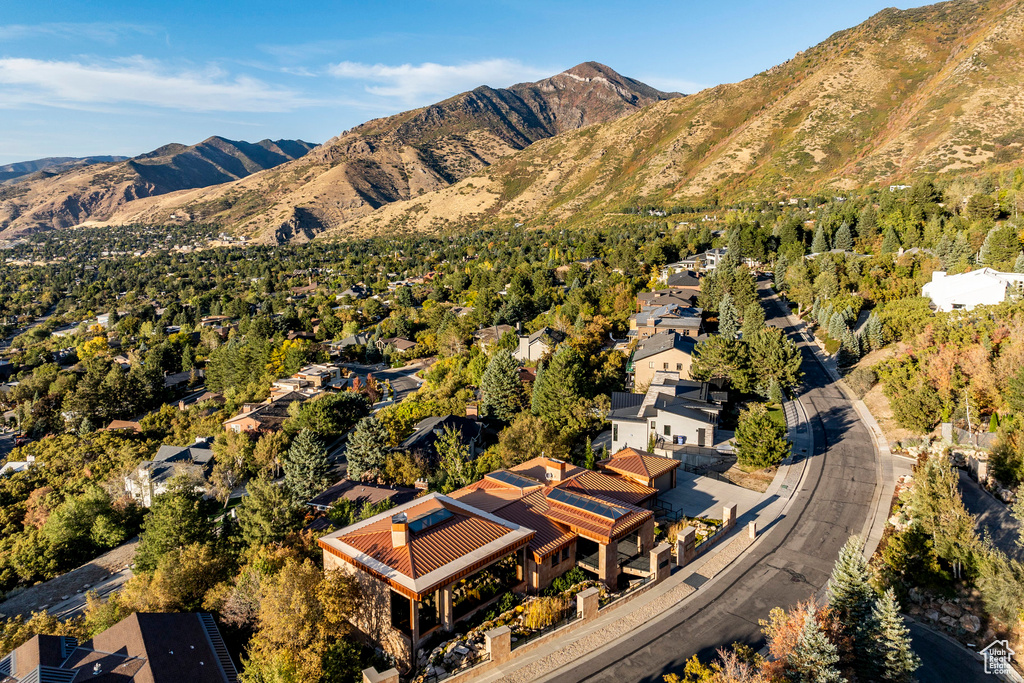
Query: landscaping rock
932	615
462	650
915	596
970	623
952	610
948	621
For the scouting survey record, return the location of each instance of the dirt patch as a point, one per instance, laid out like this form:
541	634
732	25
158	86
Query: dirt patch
755	481
49	593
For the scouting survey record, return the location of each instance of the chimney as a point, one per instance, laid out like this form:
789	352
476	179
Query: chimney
555	469
399	530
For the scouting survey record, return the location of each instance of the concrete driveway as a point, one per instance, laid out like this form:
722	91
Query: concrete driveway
700	496
992	516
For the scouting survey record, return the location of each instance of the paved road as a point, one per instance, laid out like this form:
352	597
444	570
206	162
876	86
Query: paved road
6	444
791	563
402	379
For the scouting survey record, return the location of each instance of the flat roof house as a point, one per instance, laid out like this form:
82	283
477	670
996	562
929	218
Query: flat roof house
984	287
685	320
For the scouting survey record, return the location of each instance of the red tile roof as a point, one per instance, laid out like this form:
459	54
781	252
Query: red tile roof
614	488
537	469
642	463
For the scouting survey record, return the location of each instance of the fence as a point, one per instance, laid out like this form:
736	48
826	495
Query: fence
568	615
633	588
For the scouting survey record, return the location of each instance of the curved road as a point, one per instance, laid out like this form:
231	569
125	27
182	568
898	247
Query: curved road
791	563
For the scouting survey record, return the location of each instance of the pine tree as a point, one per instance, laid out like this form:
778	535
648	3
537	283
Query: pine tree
268	513
893	656
503	394
305	466
367	448
589	460
836	326
1018	265
890	242
781	266
844	238
851	596
753	318
175	520
814	658
875	331
960	252
728	321
559	390
820	243
775	394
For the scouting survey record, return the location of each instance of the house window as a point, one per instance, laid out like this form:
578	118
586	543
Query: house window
554	560
615	432
668	430
650	364
664	366
679	367
565	553
653	426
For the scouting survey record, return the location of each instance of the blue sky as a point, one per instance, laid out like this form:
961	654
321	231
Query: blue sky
116	77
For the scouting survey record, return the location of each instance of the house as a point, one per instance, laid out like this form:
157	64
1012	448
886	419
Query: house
665	297
15	466
429	564
539	344
360	494
176	381
152	477
486	336
674	411
687	321
141	648
684	281
644	468
427	432
663	351
321	376
123	425
984	287
399	344
357	291
263	417
214	320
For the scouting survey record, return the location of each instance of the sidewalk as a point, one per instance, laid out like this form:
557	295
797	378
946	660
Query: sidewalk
542	664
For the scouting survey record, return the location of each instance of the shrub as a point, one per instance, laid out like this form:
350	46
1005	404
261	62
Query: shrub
861	380
544	612
566	581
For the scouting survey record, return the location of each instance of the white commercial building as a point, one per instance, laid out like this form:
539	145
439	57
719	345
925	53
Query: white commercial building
983	287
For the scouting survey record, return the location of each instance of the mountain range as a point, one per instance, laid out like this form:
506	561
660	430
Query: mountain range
927	91
65	193
21	170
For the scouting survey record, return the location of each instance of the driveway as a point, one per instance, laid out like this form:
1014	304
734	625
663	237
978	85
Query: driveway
699	496
992	516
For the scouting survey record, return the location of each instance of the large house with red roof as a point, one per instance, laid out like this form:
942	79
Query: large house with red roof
436	560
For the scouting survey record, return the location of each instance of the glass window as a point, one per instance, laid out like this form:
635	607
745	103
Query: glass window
615	432
565	553
650	364
653	426
679	367
554	560
664	366
668	430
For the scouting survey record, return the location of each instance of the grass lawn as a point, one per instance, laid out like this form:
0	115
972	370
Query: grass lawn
777	415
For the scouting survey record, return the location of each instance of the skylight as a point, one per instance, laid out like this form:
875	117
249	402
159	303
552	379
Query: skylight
512	479
428	520
592	506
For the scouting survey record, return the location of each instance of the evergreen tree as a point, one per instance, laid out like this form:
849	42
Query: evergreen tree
960	252
753	319
454	469
851	596
890	242
774	357
728	321
503	394
1018	265
875	331
719	358
893	656
781	266
813	659
820	243
367	449
305	466
836	326
775	394
589	460
844	238
268	513
559	391
760	441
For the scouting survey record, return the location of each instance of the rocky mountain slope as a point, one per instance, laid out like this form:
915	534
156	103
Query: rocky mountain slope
405	156
21	170
94	191
932	90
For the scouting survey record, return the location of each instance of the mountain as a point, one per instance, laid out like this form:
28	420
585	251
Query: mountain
406	155
19	170
926	91
94	191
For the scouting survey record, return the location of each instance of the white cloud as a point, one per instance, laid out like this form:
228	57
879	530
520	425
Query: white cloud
104	32
427	82
669	84
137	81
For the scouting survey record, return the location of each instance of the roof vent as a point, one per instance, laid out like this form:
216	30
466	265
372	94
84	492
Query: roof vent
97	669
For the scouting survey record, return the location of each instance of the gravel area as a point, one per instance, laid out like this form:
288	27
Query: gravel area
49	593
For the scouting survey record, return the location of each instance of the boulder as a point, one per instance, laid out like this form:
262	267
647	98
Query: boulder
952	610
932	615
970	623
915	596
948	621
462	650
